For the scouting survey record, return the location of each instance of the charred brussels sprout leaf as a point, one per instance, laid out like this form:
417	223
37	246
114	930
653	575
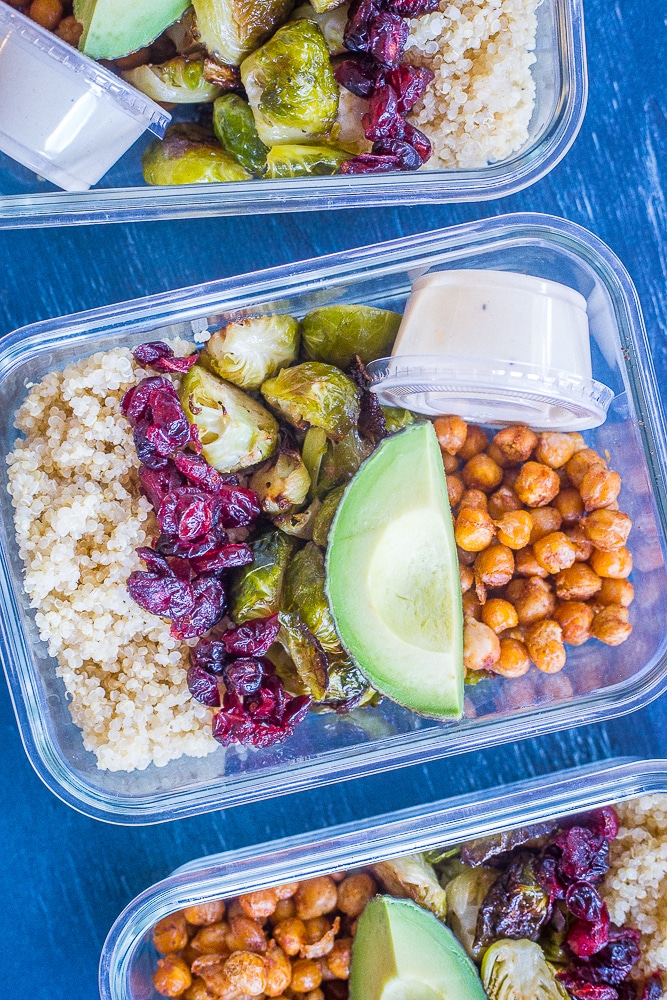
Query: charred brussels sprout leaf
314	395
334	334
248	351
299	524
412	877
478	852
330	20
291	87
515	907
465	894
325	516
283	483
307	655
230	29
347	688
304	161
396	418
258	588
177	81
235	130
304	594
518	970
341	460
234	430
189	155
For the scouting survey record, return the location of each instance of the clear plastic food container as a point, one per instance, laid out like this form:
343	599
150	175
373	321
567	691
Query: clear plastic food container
598	682
129	958
561	87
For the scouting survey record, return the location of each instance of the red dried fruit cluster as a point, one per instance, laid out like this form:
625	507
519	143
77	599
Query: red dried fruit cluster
256	710
160	357
376	33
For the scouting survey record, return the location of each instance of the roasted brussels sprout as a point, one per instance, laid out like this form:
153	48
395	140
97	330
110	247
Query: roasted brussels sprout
478	852
234	126
331	23
303	161
313	451
234	430
248	351
518	970
304	594
283	483
177	81
341	460
313	394
291	87
465	894
334	334
306	654
325	516
347	688
412	877
516	906
189	155
230	29
258	588
300	524
396	419
348	130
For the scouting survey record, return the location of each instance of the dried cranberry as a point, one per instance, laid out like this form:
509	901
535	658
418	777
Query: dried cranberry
546	871
160	356
603	822
195	520
418	141
381	115
162	595
244	676
145	449
584	901
612	963
155	561
203	687
175	504
239	507
209	655
367	163
652	988
407	157
168	416
413	8
586	938
585	855
226	557
581	990
387	37
409	84
156	483
135	404
360	74
198	471
262	719
356	36
253	638
208	608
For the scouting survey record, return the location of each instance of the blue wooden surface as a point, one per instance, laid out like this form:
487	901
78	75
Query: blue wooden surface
64	878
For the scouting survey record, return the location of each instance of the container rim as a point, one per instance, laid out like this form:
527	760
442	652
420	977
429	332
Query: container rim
141	204
354	844
307	276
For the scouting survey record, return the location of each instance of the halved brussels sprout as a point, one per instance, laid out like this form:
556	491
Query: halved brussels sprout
307	655
177	81
257	590
248	351
313	451
516	906
412	877
334	334
331	22
283	483
234	430
291	160
518	970
482	850
341	461
189	155
346	685
291	87
396	419
234	126
230	29
299	524
325	516
465	894
317	395
304	594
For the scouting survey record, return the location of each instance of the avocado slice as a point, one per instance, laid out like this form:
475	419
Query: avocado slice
393	577
114	28
402	952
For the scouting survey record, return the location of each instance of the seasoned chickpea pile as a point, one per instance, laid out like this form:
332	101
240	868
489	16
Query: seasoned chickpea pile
293	941
541	545
54	15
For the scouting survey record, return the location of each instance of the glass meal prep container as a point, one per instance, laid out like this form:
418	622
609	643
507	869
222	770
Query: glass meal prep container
598	682
561	87
129	959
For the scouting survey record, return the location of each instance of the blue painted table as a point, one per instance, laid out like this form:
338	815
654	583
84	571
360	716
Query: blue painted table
63	877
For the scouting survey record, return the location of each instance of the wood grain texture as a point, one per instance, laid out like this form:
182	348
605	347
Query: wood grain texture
64	878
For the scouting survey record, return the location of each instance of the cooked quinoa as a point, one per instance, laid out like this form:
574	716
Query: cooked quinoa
79	517
477	109
635	888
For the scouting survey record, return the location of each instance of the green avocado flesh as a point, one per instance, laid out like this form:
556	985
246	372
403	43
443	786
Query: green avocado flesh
393	577
114	28
402	952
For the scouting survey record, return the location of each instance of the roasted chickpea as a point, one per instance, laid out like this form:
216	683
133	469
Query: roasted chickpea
290	935
514	660
569	505
516	443
545	520
205	913
278	970
211	940
48	13
583	548
465	558
607	529
481	646
451	432
580	463
354	892
170	934
510	476
317	994
536	484
70	30
245	934
314	898
503	501
449	463
473	529
616	564
577	583
554	449
616	592
575	619
285	908
247	972
287	890
455	489
316	928
599	488
494	452
234	909
211	968
466	577
494	566
258	905
544	642
514	529
499	615
533	599
197	991
172	976
578	441
482	473
475	442
554	552
527	565
339	957
611	625
306	975
474	500
472	607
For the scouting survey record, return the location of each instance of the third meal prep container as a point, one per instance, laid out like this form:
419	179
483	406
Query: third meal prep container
561	87
599	682
129	958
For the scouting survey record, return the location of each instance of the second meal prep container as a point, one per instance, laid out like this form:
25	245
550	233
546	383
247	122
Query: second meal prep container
598	681
561	89
129	958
